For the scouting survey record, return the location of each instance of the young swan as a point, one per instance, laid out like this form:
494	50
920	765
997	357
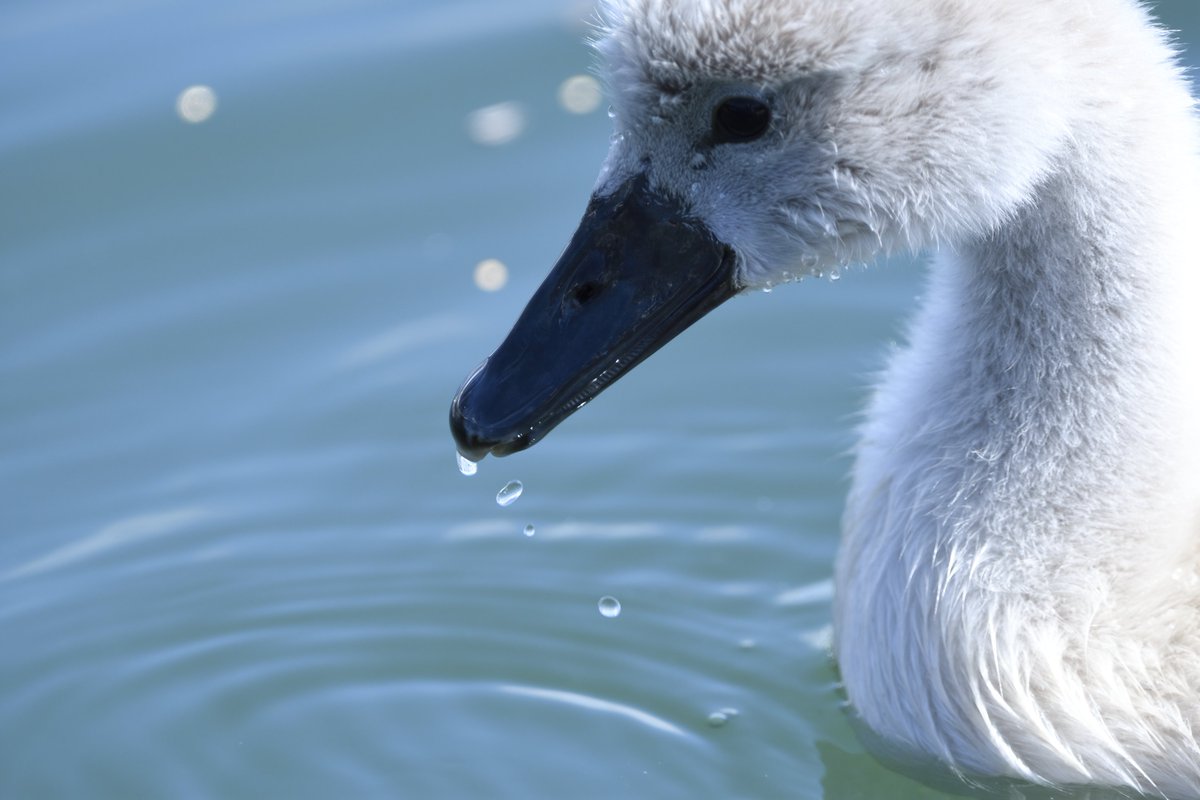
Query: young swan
1018	590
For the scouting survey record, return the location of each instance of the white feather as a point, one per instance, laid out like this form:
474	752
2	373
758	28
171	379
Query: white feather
1017	591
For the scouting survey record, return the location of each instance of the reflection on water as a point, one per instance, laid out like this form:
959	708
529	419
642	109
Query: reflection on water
496	124
580	94
237	559
491	275
196	103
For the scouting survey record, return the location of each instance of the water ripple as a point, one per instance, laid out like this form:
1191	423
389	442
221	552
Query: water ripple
597	704
118	534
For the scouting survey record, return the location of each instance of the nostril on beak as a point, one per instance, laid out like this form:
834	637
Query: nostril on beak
585	292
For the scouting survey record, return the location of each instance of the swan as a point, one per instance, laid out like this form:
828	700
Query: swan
1017	590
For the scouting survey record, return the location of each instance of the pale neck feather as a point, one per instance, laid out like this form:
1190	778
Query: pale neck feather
1018	572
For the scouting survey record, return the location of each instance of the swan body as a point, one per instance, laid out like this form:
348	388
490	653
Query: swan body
1018	587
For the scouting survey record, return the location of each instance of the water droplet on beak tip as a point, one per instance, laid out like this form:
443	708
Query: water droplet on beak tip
465	465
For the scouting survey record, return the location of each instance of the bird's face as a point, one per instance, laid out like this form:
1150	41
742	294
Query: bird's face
754	143
754	163
810	134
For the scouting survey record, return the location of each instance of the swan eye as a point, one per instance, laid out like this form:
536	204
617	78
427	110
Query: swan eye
740	119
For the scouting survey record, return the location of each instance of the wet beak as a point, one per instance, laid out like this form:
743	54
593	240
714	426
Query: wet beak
636	274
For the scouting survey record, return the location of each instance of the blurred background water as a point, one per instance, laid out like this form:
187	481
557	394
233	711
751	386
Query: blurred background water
237	559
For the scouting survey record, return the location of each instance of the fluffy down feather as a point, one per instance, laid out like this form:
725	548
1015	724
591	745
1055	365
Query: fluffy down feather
1018	588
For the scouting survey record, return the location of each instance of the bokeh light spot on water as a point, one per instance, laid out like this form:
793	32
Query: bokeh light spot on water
579	94
509	494
530	530
491	275
496	124
609	606
196	103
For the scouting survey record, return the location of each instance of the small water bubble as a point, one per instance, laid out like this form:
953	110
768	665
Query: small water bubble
609	606
612	113
530	530
465	465
835	275
695	188
509	494
718	718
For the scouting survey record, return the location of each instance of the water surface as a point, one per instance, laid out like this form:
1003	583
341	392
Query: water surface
237	557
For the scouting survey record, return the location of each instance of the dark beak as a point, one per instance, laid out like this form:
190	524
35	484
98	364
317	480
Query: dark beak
637	273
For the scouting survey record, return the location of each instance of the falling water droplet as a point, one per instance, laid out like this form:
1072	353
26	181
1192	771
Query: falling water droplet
509	494
835	275
465	465
612	113
609	606
530	530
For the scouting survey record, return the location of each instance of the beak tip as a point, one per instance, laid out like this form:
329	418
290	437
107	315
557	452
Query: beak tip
469	440
637	272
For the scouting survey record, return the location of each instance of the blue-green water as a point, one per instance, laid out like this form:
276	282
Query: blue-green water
236	557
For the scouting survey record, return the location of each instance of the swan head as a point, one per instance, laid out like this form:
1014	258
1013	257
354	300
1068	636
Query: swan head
760	141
